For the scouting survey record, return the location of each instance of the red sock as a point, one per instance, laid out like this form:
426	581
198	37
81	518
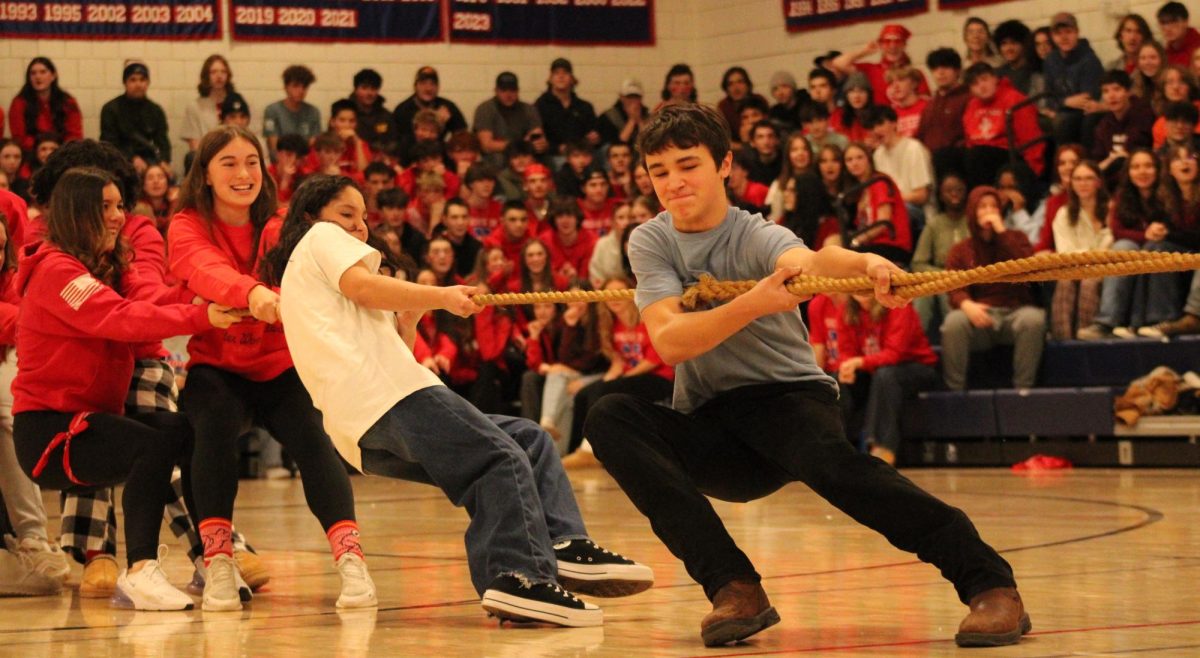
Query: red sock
91	555
343	538
217	535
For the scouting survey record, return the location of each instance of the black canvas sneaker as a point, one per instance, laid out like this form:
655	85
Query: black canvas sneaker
585	568
515	598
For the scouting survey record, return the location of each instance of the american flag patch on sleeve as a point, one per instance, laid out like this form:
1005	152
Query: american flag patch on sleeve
79	290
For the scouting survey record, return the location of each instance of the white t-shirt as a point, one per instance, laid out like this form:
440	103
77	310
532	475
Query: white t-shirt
908	163
351	359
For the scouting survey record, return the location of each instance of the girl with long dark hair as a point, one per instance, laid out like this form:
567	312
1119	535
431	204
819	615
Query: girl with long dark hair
80	317
1179	193
341	324
243	376
43	107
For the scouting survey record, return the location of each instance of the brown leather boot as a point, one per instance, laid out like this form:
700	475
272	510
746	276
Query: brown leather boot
997	618
740	609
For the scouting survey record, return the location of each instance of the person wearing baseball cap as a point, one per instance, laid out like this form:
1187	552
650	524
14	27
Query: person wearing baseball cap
505	117
425	97
891	44
620	123
134	123
1072	72
565	116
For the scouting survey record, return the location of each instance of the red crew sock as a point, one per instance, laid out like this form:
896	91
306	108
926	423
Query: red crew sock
92	555
217	535
343	538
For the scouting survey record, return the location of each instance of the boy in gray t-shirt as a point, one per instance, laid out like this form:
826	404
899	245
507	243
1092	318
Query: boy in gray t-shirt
752	411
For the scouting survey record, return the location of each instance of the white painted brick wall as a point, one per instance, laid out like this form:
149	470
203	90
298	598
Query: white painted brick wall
709	34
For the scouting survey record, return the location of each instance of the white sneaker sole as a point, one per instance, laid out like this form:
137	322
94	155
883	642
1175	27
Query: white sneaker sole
221	605
605	580
515	608
369	600
134	601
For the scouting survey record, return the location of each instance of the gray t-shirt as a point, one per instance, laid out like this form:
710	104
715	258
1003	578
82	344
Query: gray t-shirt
771	349
278	121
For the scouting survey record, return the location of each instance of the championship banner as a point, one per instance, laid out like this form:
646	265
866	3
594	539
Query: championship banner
342	20
110	19
813	14
568	22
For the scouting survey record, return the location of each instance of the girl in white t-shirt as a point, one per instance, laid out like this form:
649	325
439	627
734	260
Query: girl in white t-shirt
526	535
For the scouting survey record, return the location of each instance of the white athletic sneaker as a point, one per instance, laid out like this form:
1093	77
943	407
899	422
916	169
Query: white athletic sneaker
48	559
19	576
196	586
220	585
149	589
358	590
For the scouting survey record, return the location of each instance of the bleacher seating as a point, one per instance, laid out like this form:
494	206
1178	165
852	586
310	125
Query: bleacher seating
1068	414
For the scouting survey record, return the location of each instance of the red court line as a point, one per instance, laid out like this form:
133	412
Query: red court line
909	643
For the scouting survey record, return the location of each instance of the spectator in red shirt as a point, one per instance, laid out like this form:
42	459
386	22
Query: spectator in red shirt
984	120
343	124
42	107
893	39
879	202
902	96
882	360
570	245
743	192
377	178
510	237
537	273
427	156
290	152
595	203
538	188
479	193
1180	38
1065	159
941	127
847	120
635	368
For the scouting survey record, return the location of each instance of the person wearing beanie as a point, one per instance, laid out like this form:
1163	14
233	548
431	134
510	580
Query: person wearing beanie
891	44
566	117
425	97
848	119
785	113
135	124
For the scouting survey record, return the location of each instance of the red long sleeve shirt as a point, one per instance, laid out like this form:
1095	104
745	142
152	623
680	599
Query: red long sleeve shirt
215	262
984	124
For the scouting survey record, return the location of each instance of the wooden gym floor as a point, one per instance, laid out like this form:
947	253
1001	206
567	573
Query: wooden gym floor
1108	562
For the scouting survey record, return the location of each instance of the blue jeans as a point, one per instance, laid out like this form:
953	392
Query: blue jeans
1164	292
1123	298
504	471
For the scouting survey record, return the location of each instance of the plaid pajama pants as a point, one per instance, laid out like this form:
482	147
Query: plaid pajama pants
89	520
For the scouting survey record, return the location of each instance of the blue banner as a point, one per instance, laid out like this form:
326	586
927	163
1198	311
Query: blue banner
568	22
814	14
111	19
344	20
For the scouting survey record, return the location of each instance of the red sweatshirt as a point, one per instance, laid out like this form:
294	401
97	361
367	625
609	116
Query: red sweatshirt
215	262
9	304
26	135
148	265
16	213
983	123
896	338
1046	237
578	254
77	334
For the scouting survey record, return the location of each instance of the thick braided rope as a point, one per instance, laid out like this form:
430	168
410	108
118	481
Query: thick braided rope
908	285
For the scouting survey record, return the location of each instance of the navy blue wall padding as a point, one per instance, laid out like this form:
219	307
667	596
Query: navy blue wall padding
1055	411
955	414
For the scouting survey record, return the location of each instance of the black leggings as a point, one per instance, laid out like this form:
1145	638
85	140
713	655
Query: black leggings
140	450
646	386
223	406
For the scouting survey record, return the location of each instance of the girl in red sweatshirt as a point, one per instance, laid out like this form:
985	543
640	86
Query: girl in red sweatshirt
877	353
42	107
77	335
244	375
